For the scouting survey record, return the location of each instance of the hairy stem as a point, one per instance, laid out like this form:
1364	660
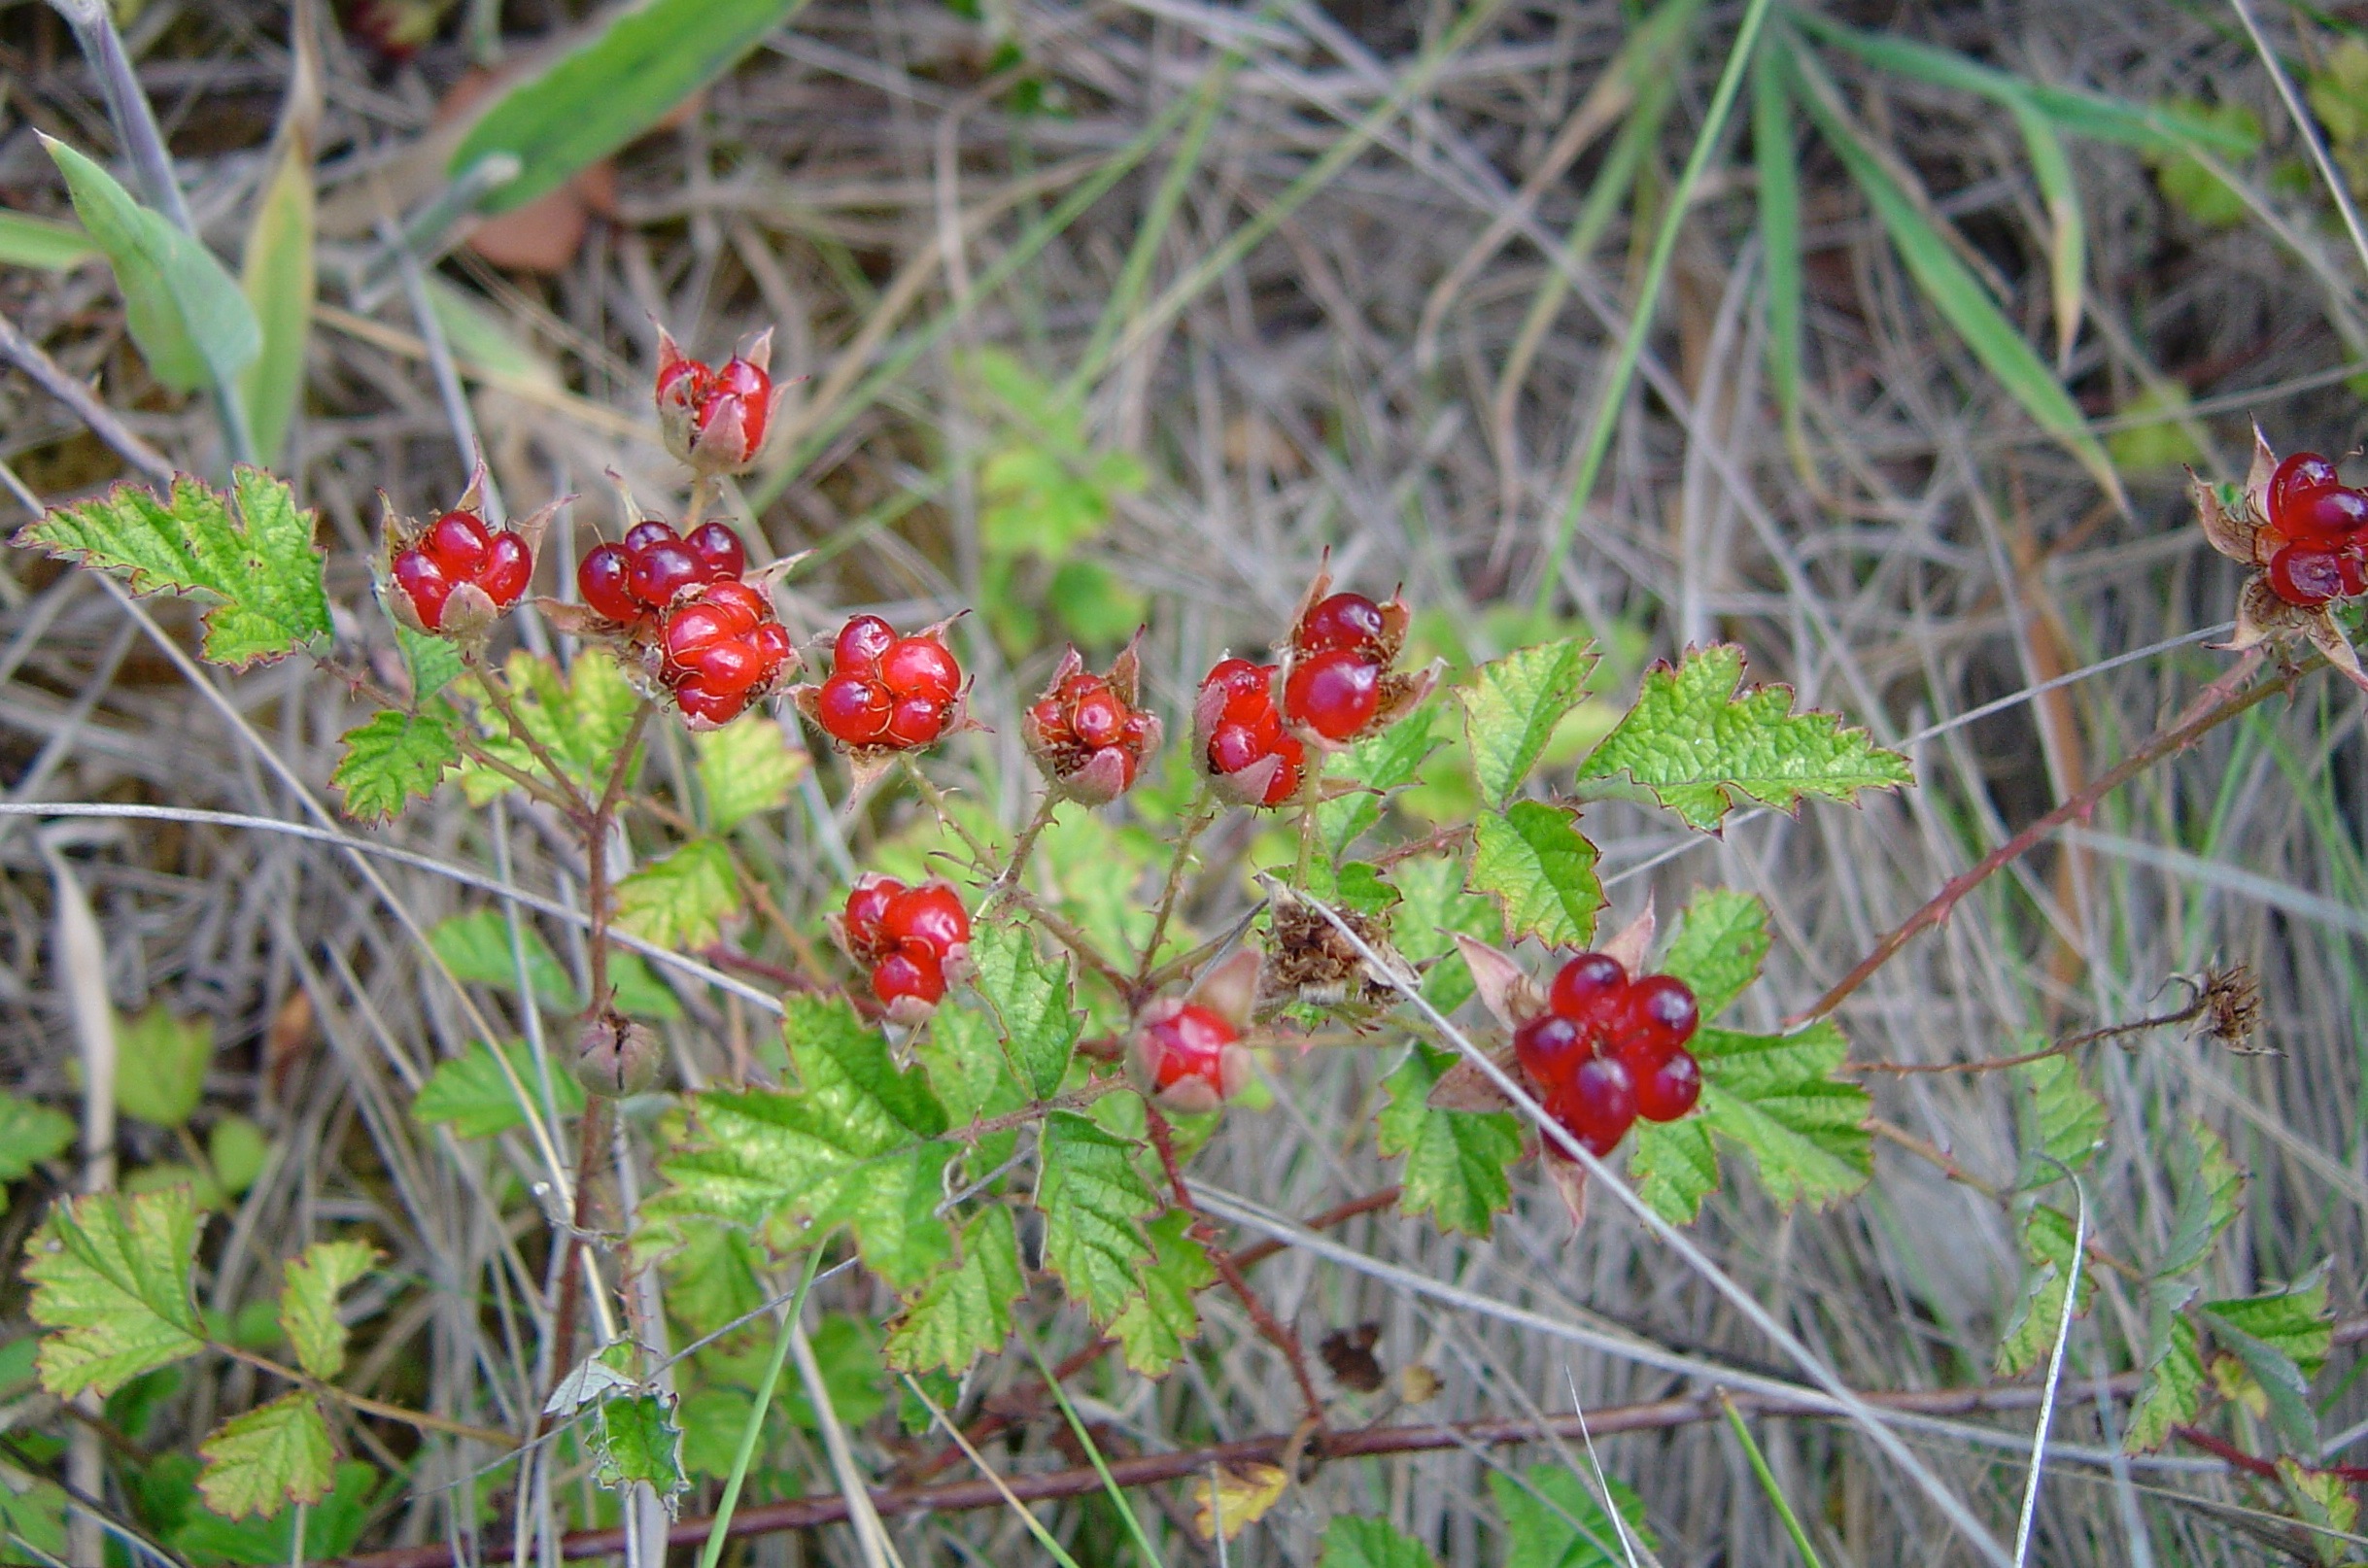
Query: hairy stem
496	689
1197	818
1009	882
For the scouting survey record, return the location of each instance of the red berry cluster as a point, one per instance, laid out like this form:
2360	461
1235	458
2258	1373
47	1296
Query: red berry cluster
1609	1049
907	936
1340	651
458	550
886	691
2321	529
714	418
1251	758
709	638
1087	732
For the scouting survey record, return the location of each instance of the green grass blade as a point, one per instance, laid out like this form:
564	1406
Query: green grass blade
2068	233
26	241
1027	1515
1648	298
1767	1485
277	271
1076	1426
1951	285
754	1432
1780	169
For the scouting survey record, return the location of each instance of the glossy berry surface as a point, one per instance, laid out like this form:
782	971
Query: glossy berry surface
1244	730
1189	1043
1345	621
905	937
1087	734
1335	692
1609	1048
2299	474
2307	575
713	418
1661	1013
458	548
1551	1046
1596	1104
885	690
1587	986
719	550
603	581
1671	1090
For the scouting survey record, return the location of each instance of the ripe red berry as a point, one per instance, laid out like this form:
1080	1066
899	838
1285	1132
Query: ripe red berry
861	643
930	914
1348	620
707	704
1660	1014
2301	473
1049	721
1098	719
2306	575
906	972
1245	688
736	375
719	550
641	535
729	664
663	570
772	642
1335	692
456	542
419	580
683	383
699	625
2352	567
920	667
916	721
1585	986
867	908
1669	1091
603	578
1550	1048
506	569
2328	513
854	710
1596	1104
1190	1044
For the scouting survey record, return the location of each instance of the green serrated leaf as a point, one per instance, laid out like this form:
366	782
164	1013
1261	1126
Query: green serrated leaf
1718	948
1552	1520
1540	869
2173	1391
1031	997
1433	906
964	1310
2282	1338
847	1349
1512	707
393	760
473	1096
331	1526
181	308
259	570
712	1276
171	1056
1378	765
1355	1542
1700	745
273	1456
433	663
2209	1187
2065	1122
963	1053
580	721
110	1275
1094	1201
1775	1096
308	1302
1155	1327
476	947
1673	1167
1456	1160
681	902
636	1440
2326	1502
30	1133
745	768
2030	1330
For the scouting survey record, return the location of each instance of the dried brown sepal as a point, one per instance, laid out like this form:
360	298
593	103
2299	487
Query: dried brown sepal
1310	960
1231	989
2232	1008
573	620
1633	940
2328	638
1505	986
2257	475
2236	536
1465	1087
1569	1180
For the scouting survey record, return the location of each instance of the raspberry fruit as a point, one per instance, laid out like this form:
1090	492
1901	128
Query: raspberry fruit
907	937
719	550
715	419
1345	621
457	574
920	667
1610	1048
2301	473
1335	692
1188	1057
2307	575
1587	986
903	975
902	693
1086	730
1551	1047
1659	1016
1251	760
854	710
1596	1104
1669	1091
604	579
663	570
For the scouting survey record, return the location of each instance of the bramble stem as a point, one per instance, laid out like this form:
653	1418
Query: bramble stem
1311	785
2063	1048
1198	816
1009	882
496	689
419	1420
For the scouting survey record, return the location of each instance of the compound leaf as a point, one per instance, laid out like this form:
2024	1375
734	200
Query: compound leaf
1534	861
2283	1339
745	768
1512	707
1776	1097
1700	745
1456	1160
1553	1521
2066	1120
1094	1201
2208	1188
681	902
308	1302
1155	1327
273	1456
1718	948
1355	1542
2030	1333
2173	1391
1031	999
1675	1167
110	1275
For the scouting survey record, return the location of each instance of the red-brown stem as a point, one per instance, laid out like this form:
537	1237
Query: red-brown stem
496	689
1272	1328
2252	1464
1202	812
591	1133
1257	1252
2214	706
2062	1047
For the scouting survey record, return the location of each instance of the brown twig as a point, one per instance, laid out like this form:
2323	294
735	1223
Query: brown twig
2062	1047
1201	814
497	690
28	357
417	1420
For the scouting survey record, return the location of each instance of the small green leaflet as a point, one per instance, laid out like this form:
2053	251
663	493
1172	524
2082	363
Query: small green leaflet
964	1310
1698	746
963	1053
2030	1332
712	1278
1094	1201
1155	1326
111	1274
581	721
1032	999
476	947
848	1350
433	663
259	570
30	1133
682	900
2064	1119
1385	763
1775	1096
1540	868
393	760
238	1151
1552	1520
181	307
476	1098
1355	1542
273	1456
1674	1166
1718	947
636	1440
331	1526
1435	906
2209	1189
854	1146
2282	1338
1512	707
2324	1501
1456	1160
172	1055
2174	1389
308	1302
745	768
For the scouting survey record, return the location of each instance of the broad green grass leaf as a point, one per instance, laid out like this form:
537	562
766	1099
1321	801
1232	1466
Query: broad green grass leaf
1777	161
2172	1392
476	947
1355	1542
1456	1160
581	721
1155	1326
167	1059
42	243
1032	998
1553	1521
483	341
1385	763
1673	1167
1094	1203
475	1098
276	274
2065	1120
964	1310
308	1302
1776	1097
1511	707
1718	948
1945	280
2282	1338
1434	904
636	1440
190	319
393	760
1540	869
2208	1188
111	1277
259	570
273	1456
682	900
745	768
2031	1329
600	95
30	1133
853	1145
1700	745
